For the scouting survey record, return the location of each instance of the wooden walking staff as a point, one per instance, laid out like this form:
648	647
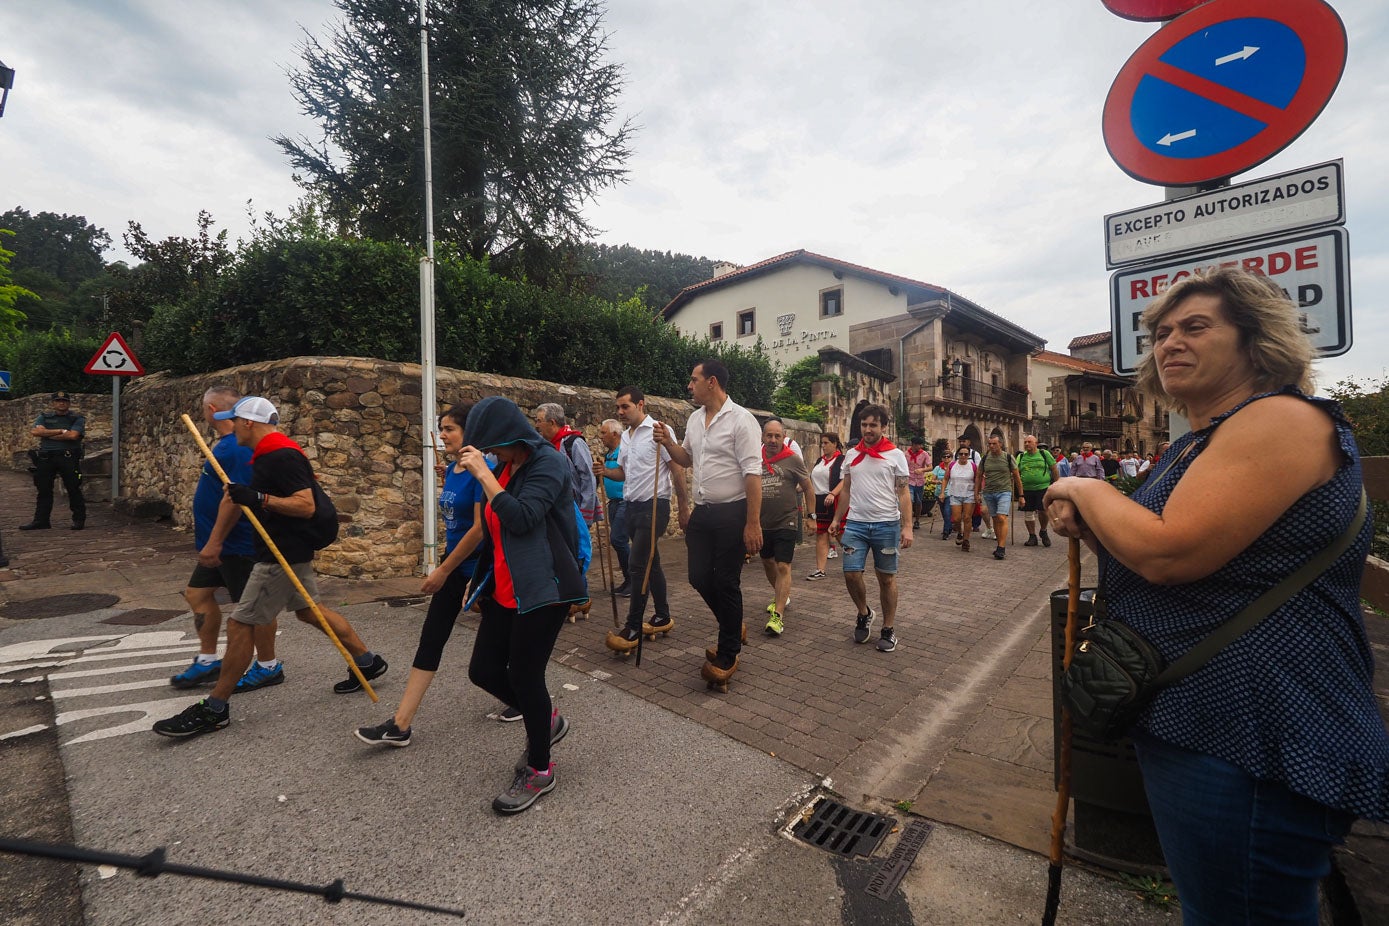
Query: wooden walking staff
279	558
651	554
609	577
1063	787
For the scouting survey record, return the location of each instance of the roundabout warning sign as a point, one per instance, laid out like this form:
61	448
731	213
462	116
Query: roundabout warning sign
1223	88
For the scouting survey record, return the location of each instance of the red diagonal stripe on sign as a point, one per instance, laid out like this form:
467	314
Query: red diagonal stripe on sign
1216	93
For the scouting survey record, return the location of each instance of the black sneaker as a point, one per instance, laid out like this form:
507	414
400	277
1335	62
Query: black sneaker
509	715
194	720
387	734
35	526
1031	541
624	590
1046	539
350	684
887	641
863	627
1000	553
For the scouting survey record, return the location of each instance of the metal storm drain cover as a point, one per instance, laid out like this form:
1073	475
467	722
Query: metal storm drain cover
56	606
843	830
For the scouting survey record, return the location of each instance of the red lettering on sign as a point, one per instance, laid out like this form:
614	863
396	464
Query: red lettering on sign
1254	264
1279	262
1138	289
1306	258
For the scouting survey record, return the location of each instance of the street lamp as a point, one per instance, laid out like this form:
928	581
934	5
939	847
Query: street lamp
6	84
957	368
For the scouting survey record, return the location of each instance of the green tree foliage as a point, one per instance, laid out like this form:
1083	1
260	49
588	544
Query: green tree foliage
522	110
171	271
792	398
617	272
45	361
353	297
67	248
1368	411
10	294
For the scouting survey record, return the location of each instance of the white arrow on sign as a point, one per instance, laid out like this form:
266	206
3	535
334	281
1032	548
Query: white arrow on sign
1169	138
1246	52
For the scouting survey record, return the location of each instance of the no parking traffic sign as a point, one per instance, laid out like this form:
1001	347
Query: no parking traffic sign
1223	88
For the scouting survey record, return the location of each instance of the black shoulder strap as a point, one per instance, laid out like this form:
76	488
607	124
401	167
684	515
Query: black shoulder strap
1264	605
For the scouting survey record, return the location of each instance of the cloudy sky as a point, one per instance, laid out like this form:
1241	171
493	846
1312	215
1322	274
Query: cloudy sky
953	142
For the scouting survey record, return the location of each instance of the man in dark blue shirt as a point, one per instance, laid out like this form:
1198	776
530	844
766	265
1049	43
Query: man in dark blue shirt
60	434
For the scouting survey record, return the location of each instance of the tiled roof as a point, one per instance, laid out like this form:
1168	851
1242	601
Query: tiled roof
1073	363
1089	340
797	256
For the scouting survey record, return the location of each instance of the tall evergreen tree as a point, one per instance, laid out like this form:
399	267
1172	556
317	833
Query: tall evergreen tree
523	106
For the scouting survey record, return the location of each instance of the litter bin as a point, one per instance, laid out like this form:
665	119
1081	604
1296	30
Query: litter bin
1111	824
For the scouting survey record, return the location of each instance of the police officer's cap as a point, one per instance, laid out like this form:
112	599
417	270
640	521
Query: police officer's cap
61	397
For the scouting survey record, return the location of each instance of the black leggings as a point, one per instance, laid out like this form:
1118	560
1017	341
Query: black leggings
510	654
443	611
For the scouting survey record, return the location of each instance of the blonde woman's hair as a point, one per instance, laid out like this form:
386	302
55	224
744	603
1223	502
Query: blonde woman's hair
1268	322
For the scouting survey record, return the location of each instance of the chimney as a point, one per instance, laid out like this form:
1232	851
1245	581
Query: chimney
723	268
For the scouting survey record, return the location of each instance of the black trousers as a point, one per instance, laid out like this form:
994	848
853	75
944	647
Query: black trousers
50	465
643	544
716	555
510	654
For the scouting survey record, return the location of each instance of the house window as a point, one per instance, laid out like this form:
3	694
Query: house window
747	323
832	302
716	331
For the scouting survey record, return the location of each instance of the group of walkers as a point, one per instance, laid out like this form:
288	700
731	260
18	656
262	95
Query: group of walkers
1249	788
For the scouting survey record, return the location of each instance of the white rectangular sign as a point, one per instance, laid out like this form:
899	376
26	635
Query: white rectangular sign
1313	268
1307	198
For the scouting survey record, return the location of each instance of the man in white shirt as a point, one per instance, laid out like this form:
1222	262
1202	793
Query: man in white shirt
643	489
723	445
875	492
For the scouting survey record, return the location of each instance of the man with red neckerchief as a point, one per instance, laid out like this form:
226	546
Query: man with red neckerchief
553	425
875	492
783	474
1088	465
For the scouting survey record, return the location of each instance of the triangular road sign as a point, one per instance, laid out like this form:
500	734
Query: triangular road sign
114	358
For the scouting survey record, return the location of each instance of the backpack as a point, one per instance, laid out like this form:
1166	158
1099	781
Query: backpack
323	526
568	444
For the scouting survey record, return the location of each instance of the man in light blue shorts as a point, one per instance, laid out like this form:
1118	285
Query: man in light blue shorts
875	491
998	484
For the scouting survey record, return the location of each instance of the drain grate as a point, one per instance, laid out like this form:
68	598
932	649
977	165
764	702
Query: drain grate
56	606
842	830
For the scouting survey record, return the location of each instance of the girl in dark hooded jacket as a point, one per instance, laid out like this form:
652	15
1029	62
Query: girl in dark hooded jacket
527	575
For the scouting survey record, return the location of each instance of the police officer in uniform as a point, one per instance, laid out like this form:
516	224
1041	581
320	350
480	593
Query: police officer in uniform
60	435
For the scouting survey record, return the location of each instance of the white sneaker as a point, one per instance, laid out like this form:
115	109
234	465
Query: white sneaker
834	552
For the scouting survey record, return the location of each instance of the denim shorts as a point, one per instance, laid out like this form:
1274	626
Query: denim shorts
961	501
1000	504
883	537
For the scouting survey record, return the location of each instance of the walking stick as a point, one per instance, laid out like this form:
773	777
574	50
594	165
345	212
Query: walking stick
1063	788
279	558
609	576
651	554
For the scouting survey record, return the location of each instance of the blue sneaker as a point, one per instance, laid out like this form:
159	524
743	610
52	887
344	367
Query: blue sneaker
258	677
198	674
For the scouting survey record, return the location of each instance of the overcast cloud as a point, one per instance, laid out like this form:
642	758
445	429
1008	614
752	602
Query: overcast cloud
957	143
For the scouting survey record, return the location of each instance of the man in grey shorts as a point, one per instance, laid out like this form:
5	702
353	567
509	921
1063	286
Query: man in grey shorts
226	552
281	495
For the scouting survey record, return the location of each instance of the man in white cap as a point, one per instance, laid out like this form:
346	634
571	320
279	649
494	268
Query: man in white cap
283	496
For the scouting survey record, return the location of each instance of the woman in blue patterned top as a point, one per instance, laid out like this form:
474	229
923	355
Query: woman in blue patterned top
1257	764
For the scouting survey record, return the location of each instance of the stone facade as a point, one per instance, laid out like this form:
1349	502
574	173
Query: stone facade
357	419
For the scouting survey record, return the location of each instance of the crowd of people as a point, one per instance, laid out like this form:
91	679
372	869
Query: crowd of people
1249	788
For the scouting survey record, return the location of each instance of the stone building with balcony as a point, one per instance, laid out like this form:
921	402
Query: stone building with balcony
944	365
1077	397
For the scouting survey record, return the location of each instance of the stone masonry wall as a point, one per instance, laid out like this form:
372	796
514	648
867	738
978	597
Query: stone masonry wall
357	419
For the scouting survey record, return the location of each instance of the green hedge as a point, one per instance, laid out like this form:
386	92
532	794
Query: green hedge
361	298
46	361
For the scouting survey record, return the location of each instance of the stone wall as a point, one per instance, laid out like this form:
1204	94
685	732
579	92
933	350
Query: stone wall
17	420
357	419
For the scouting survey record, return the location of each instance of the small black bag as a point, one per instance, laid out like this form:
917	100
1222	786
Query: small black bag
1115	673
324	522
1113	677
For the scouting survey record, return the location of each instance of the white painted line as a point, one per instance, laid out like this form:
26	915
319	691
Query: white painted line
36	728
149	712
190	647
108	689
116	670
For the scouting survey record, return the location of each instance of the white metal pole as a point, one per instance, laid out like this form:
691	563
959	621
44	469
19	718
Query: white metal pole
428	374
115	437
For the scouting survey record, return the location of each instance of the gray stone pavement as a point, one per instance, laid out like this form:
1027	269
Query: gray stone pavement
671	797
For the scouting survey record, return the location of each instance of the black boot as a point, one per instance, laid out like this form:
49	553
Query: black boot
34	526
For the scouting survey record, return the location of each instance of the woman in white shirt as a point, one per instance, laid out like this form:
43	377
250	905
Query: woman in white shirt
959	490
